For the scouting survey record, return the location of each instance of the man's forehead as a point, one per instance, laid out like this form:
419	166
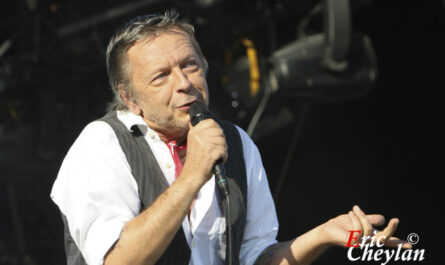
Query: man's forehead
172	33
166	42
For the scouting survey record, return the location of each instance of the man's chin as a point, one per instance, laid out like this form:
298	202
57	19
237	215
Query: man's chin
183	120
185	126
182	125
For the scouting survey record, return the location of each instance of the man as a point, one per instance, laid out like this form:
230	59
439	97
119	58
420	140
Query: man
157	70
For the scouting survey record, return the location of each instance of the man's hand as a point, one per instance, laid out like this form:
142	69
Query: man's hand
206	144
337	230
307	247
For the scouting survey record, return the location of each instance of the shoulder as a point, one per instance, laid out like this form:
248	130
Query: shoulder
97	144
97	135
249	147
233	129
245	138
250	152
97	130
94	158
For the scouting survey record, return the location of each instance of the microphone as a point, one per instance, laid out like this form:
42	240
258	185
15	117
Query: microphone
198	112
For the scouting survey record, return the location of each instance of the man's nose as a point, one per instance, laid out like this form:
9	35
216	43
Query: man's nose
183	82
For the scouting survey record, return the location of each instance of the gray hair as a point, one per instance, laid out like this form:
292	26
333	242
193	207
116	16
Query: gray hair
139	29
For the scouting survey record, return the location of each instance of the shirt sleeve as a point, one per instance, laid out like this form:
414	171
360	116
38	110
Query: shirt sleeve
96	191
261	222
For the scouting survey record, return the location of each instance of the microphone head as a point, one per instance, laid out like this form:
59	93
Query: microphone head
198	111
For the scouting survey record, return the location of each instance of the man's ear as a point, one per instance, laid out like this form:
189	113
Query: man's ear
132	105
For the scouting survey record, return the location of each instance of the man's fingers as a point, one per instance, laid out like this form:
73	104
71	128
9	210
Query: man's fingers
388	231
362	222
356	226
391	228
226	154
376	219
394	242
207	123
367	227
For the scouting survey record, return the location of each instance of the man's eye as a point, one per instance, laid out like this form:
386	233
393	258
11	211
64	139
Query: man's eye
160	76
191	63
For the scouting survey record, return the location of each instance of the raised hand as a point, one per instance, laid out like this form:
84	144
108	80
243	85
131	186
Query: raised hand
338	230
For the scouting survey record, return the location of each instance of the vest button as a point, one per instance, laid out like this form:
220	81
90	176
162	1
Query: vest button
168	165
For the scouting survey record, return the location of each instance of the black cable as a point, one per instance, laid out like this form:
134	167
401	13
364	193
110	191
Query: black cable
229	234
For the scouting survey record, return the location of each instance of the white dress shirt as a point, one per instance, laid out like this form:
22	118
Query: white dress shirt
97	193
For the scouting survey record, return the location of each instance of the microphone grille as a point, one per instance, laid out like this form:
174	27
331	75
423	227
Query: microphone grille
198	107
198	112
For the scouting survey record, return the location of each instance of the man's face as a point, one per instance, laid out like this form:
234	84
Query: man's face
167	76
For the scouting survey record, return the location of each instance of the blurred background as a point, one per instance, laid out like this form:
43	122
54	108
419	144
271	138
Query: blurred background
343	98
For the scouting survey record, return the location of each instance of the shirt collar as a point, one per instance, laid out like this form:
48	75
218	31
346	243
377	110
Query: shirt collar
129	119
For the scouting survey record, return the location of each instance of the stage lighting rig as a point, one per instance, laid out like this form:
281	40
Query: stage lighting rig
334	65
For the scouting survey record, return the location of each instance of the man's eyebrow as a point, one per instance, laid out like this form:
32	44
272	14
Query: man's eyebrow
192	56
187	57
150	74
157	67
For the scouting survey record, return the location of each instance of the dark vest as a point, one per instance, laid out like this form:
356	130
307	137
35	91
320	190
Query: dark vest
151	183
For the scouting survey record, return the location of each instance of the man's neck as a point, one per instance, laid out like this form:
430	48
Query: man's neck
179	139
169	134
